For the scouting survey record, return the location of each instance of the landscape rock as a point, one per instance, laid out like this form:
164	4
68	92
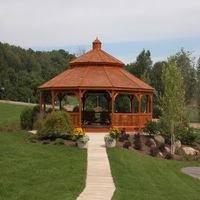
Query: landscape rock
178	144
190	151
151	143
167	149
159	138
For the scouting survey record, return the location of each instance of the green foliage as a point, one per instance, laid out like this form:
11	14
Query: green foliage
173	100
151	127
185	62
28	117
33	138
56	125
142	66
186	135
59	141
22	71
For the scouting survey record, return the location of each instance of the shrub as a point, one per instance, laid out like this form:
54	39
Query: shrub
169	156
186	134
38	124
162	147
123	137
26	119
59	141
138	145
76	109
151	127
127	144
137	135
33	138
58	124
154	151
46	141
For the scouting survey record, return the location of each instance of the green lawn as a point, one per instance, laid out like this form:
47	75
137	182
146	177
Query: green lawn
32	171
10	114
143	177
192	114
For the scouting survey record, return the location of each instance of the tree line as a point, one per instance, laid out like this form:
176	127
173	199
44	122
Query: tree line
22	71
152	74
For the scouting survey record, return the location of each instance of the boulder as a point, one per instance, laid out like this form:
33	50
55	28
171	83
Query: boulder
151	143
178	144
190	151
159	138
167	149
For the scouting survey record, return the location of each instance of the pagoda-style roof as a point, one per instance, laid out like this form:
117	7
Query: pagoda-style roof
96	57
96	69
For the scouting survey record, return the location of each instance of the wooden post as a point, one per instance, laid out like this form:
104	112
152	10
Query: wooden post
80	107
112	107
53	100
41	97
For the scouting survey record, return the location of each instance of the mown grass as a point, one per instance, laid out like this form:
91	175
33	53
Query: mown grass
143	178
192	114
33	171
10	114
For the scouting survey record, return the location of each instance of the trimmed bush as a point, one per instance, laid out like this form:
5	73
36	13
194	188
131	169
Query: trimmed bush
46	141
137	142
33	138
154	152
186	135
59	141
127	144
28	117
169	156
56	125
151	127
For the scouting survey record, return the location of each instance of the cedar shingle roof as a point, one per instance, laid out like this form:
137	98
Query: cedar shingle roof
96	69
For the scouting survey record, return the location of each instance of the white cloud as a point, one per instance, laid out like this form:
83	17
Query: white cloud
77	22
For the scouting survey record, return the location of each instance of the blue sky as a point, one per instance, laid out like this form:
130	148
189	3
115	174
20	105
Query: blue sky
125	27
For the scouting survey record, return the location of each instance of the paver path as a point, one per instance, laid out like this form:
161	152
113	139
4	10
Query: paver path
192	171
99	182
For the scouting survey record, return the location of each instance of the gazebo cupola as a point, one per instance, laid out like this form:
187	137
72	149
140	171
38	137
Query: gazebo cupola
126	100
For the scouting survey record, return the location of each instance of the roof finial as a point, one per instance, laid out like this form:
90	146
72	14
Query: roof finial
97	44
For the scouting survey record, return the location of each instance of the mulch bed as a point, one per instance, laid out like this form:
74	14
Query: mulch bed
145	150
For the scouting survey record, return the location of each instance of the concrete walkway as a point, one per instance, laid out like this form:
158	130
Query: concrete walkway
99	182
192	171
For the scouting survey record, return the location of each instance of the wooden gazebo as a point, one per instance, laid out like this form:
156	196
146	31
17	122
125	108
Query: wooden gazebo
96	73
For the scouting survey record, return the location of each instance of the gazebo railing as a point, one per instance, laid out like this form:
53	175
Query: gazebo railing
121	120
128	120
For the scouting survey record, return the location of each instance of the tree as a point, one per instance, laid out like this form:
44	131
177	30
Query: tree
142	65
173	100
185	62
198	82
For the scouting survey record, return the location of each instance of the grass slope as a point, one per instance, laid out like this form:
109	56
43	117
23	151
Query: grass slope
10	114
143	178
32	171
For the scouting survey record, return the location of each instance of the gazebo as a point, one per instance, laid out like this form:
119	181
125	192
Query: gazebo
99	75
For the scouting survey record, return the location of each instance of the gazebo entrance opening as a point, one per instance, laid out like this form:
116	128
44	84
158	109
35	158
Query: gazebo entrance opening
96	109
